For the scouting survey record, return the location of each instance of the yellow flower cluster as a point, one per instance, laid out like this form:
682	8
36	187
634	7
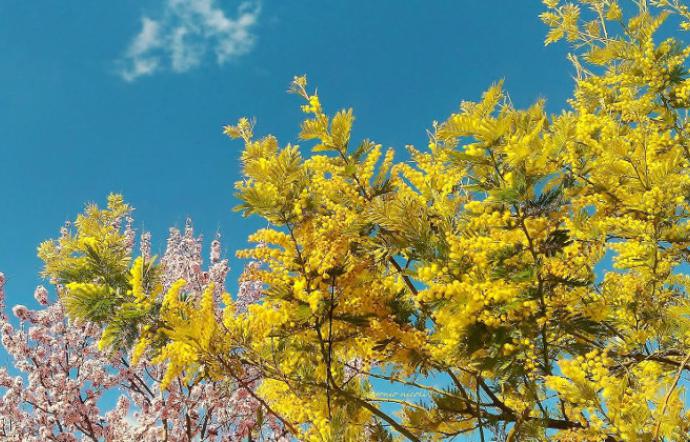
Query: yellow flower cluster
517	242
190	328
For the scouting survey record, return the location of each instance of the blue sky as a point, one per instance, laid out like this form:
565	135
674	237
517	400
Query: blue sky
131	96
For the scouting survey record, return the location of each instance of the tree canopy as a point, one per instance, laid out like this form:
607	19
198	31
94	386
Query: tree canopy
526	272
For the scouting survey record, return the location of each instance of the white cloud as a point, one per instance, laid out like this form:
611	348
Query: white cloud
185	33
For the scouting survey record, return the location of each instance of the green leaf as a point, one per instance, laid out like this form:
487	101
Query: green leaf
91	302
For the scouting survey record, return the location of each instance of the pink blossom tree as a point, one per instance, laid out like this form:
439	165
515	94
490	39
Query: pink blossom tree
62	382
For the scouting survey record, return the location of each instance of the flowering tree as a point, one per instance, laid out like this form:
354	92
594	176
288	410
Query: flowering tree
525	272
64	379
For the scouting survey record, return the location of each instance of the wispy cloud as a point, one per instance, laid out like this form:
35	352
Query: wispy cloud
185	34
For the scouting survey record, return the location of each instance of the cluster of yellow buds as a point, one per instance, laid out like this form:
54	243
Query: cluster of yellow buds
314	106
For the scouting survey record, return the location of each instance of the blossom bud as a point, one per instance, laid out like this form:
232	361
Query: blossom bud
41	295
215	251
21	312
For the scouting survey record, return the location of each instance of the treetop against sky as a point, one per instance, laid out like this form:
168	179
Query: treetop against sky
522	269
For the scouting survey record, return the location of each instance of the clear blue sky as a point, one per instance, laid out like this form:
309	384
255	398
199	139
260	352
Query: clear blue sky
131	96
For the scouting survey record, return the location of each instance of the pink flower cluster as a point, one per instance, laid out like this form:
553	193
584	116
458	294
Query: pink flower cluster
182	260
60	386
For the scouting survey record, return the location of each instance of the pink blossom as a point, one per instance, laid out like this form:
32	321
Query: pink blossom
21	312
250	290
41	295
130	234
145	245
2	296
215	251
